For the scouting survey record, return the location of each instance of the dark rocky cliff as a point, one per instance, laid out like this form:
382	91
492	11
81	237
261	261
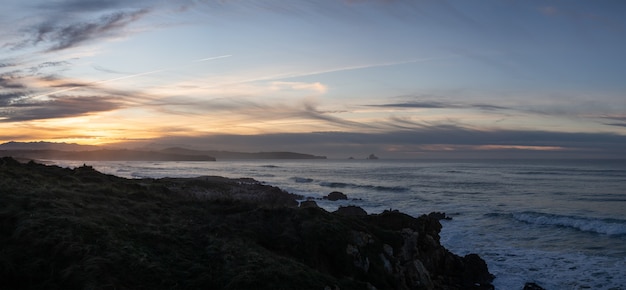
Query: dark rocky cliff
79	229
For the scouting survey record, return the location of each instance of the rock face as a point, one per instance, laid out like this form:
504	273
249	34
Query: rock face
424	262
335	196
308	203
351	210
79	229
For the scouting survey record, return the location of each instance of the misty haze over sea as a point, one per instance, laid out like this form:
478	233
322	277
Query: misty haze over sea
560	224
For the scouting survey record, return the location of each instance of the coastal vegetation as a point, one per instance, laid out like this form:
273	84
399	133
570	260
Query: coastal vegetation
63	228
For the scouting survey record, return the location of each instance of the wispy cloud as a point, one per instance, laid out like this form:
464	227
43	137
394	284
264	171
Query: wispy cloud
438	105
11	81
48	64
59	34
57	108
315	87
6	98
66	6
615	120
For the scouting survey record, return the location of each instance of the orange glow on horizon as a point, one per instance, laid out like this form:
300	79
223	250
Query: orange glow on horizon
519	147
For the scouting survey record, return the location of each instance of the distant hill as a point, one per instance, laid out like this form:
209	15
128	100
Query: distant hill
70	151
41	145
104	155
225	155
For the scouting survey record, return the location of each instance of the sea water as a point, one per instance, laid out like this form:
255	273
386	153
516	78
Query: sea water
560	224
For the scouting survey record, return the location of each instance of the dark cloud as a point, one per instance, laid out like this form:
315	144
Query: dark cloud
488	107
71	35
438	105
82	5
617	121
11	80
424	105
48	64
62	35
57	108
310	111
6	98
4	64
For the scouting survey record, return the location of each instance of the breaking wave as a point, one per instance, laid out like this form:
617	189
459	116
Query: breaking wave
613	227
364	186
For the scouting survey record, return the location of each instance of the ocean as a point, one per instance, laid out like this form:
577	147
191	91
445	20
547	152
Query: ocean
558	223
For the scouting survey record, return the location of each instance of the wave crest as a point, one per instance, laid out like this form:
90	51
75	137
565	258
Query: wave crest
613	227
364	186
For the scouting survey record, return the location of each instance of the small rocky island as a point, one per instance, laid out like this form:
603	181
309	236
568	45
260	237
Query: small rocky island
64	228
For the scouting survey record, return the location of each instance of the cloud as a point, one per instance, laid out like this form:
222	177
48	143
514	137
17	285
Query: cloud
256	112
438	105
80	5
309	110
419	105
48	64
7	98
77	33
316	87
106	70
6	63
9	81
61	35
616	120
56	107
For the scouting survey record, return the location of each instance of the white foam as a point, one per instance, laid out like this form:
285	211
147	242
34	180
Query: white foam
601	226
515	265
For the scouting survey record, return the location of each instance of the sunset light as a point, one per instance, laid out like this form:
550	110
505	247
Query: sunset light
420	72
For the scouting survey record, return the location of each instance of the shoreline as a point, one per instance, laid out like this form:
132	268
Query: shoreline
91	229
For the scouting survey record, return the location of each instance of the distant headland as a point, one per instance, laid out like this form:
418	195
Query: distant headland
68	151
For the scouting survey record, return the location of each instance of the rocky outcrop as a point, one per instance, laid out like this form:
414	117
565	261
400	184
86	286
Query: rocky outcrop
351	210
77	228
308	204
335	196
421	262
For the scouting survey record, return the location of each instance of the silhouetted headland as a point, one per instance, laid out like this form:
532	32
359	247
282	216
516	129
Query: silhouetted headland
65	151
63	228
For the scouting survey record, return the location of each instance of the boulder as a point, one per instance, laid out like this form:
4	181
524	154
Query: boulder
336	195
308	203
351	210
439	215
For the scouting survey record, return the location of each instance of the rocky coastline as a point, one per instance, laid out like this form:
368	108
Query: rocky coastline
64	228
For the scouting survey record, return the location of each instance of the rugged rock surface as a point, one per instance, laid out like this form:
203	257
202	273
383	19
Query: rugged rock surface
351	210
79	229
309	203
335	196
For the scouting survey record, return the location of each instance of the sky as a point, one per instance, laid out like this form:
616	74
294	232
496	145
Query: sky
341	78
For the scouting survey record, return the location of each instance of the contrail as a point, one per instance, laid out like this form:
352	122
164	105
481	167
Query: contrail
212	58
128	76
